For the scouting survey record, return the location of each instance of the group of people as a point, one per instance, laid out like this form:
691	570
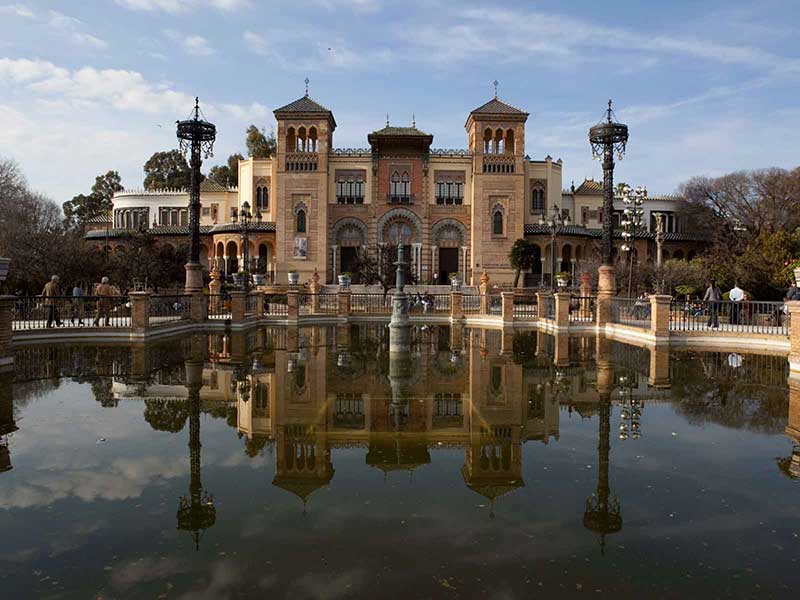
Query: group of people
102	294
738	297
425	300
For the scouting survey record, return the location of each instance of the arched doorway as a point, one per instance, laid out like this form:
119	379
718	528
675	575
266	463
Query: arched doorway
232	254
402	226
449	239
350	236
566	259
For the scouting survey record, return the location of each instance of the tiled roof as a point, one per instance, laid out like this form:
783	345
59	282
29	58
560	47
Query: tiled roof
391	130
578	231
590	186
495	106
305	105
100	219
233	227
158	230
212	186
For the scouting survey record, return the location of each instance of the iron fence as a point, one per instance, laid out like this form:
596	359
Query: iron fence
254	304
318	304
767	318
372	304
548	307
430	303
633	312
38	312
582	309
167	309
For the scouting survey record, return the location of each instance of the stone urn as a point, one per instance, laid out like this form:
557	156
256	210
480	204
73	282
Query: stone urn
258	278
455	282
344	281
294	277
238	278
562	280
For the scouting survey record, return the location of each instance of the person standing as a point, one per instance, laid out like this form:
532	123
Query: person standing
104	292
736	295
51	292
77	304
713	296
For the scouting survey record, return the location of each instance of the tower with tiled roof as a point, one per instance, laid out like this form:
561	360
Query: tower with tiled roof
496	133
304	140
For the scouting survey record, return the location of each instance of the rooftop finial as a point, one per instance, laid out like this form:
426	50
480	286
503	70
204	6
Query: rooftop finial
197	107
387	119
495	83
306	86
413	120
609	110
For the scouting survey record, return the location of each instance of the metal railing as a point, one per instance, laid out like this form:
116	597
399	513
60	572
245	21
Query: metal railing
471	304
547	310
582	309
276	305
254	304
219	306
429	303
495	304
318	304
371	304
167	309
767	318
38	312
525	306
633	312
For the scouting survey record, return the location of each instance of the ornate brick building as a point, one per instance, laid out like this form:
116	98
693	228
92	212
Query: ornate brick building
455	210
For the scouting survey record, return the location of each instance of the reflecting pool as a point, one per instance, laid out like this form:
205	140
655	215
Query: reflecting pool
312	463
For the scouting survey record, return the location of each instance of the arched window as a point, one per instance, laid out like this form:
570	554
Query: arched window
312	139
440	188
301	221
291	140
395	185
498	141
509	144
487	141
301	139
537	200
406	181
497	223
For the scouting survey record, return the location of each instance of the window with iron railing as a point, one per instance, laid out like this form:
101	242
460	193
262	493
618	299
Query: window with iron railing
449	191
350	190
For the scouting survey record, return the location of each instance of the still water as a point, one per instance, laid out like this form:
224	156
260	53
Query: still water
312	464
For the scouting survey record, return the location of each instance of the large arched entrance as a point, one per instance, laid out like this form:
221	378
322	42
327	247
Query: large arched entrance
350	237
402	226
232	257
449	241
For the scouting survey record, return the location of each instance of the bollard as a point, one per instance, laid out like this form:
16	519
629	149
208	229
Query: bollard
140	311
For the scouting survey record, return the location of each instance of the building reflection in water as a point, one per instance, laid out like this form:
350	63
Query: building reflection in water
303	393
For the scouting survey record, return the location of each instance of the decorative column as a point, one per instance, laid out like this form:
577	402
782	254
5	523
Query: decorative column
659	239
434	254
335	270
543	260
314	288
215	291
399	326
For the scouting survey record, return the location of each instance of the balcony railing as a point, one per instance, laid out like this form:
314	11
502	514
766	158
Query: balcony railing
350	199
400	198
449	200
498	164
301	161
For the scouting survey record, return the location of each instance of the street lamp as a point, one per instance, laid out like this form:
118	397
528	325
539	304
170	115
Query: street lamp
631	223
246	218
197	136
606	138
553	222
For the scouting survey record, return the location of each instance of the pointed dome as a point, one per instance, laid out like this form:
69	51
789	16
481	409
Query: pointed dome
495	106
304	106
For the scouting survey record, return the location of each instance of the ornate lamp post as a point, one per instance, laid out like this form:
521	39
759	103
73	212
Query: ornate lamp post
631	223
196	136
607	138
553	222
399	326
246	218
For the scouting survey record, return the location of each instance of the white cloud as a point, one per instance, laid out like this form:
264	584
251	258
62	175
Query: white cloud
17	10
181	6
72	29
194	45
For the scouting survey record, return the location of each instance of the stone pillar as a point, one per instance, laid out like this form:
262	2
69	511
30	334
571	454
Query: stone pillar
194	278
215	290
344	304
456	306
6	318
540	296
659	367
794	337
541	283
561	352
606	289
586	286
484	289
659	316
238	306
562	300
314	287
199	307
140	311
507	299
293	304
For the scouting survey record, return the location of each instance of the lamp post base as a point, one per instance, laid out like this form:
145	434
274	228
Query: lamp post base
194	278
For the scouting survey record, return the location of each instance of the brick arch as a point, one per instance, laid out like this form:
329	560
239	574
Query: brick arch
403	215
443	224
350	223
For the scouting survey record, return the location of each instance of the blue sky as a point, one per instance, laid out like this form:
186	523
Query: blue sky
706	87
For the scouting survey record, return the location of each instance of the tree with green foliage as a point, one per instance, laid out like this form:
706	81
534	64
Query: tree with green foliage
96	204
522	257
167	170
143	259
260	144
227	175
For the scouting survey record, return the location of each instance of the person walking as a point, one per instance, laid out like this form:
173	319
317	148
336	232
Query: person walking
713	296
51	292
104	292
77	304
736	295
